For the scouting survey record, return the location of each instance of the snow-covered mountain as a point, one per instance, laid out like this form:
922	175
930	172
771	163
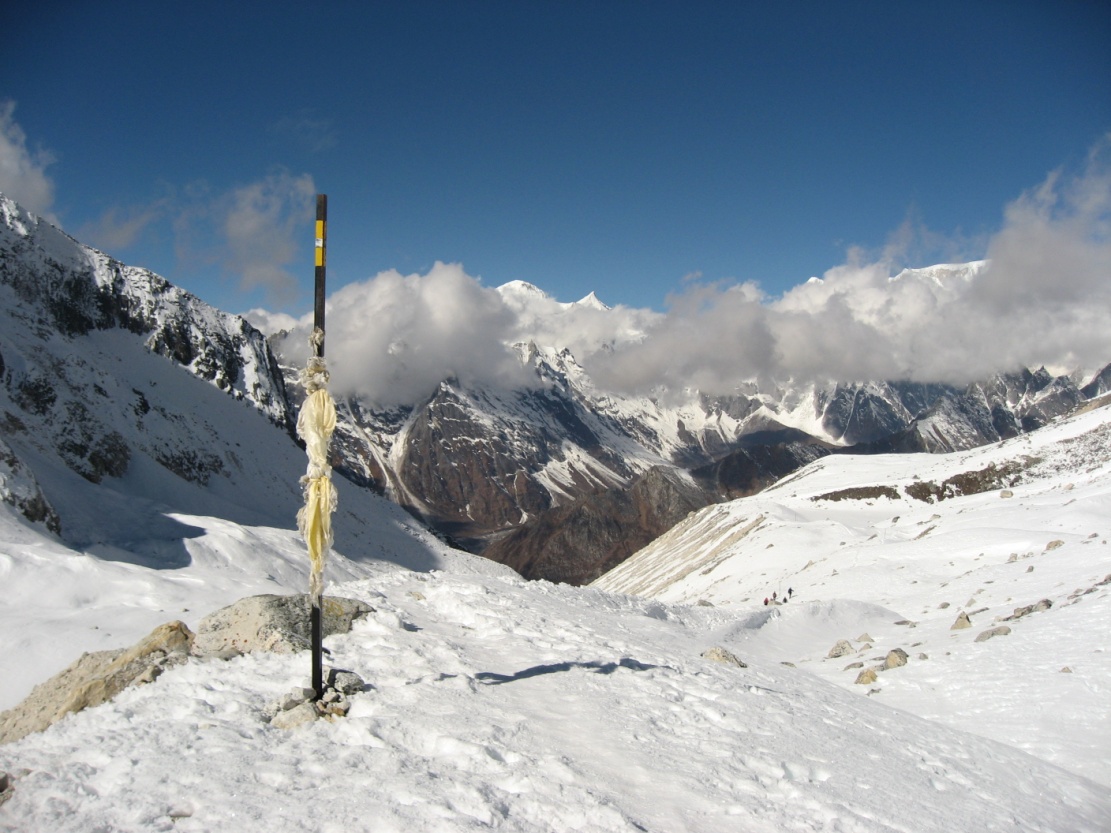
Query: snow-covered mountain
478	463
493	702
483	463
886	552
147	474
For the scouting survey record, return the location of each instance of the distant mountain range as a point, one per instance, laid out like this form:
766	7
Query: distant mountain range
560	480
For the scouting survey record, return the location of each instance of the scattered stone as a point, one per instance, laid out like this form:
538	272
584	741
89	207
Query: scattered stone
96	678
1002	630
1053	545
345	682
864	638
1026	610
962	622
788	664
5	787
1005	493
1012	558
943	606
923	656
297	716
1066	670
840	649
866	677
272	623
853	665
719	654
896	658
704	603
1030	569
416	594
867	646
907	623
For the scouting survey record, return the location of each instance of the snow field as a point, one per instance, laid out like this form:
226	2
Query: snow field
499	704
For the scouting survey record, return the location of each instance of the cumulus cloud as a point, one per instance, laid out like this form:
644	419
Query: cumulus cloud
395	337
23	175
1042	298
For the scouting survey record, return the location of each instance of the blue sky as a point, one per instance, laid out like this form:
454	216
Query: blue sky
618	147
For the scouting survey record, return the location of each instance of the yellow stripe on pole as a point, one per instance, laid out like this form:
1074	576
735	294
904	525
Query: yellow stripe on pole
320	243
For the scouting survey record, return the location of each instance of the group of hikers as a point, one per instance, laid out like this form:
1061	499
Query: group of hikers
775	598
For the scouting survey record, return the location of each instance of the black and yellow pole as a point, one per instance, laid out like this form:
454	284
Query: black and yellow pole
315	617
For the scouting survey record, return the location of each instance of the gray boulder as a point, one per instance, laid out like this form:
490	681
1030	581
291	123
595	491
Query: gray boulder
1002	630
272	623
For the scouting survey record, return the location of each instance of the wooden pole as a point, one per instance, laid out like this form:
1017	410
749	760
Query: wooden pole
315	617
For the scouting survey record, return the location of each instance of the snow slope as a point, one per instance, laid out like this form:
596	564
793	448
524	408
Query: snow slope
899	570
495	703
500	704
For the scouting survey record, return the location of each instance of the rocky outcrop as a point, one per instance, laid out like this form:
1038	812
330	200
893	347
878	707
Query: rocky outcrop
577	543
256	623
96	678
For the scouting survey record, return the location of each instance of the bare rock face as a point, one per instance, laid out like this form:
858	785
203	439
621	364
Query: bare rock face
96	678
577	543
271	623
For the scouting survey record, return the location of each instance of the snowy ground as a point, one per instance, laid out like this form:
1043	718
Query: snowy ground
857	567
495	703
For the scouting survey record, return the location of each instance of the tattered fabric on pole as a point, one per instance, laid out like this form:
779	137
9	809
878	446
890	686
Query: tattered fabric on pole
315	425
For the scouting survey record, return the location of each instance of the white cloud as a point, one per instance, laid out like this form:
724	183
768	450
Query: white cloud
1043	298
23	175
261	226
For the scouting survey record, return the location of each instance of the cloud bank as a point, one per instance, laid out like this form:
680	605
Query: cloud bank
1041	297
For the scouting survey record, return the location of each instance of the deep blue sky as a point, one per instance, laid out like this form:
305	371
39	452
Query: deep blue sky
606	146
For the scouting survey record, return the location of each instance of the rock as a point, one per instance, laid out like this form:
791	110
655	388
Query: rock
1002	630
5	787
1026	610
1005	493
271	623
895	658
345	682
943	606
864	638
923	656
719	654
866	677
962	622
1066	670
1053	545
840	649
853	665
96	678
297	716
